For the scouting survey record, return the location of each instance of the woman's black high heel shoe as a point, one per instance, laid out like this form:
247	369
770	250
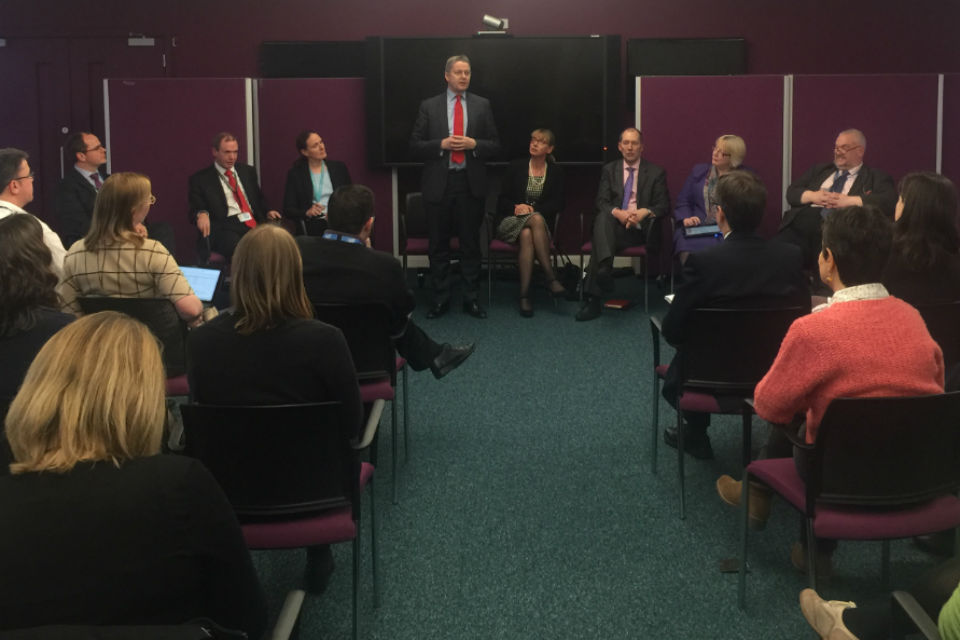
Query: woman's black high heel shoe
556	295
526	309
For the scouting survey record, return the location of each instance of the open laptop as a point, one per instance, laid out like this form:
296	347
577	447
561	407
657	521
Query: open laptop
204	282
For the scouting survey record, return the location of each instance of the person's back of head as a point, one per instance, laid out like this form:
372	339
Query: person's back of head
267	280
95	392
926	231
349	208
859	239
27	282
743	199
113	210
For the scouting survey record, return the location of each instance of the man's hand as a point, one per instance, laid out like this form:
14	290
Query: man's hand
522	209
819	198
273	215
203	223
316	211
140	230
838	200
692	221
634	218
620	215
458	143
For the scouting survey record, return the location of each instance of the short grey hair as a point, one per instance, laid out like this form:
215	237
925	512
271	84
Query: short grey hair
861	139
453	60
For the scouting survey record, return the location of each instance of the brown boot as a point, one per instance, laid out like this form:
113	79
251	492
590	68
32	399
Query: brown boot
730	491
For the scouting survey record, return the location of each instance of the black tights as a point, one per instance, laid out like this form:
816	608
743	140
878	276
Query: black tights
534	241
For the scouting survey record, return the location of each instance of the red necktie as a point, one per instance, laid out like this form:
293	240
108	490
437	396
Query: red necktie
238	196
457	157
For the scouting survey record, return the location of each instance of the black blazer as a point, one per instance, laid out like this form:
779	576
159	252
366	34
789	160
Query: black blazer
875	187
651	183
431	128
298	192
744	269
513	191
929	286
206	194
73	202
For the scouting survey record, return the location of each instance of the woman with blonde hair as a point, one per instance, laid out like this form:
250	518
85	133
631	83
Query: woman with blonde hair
116	258
98	528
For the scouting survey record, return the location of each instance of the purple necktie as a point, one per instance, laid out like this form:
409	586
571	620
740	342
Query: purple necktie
96	180
627	189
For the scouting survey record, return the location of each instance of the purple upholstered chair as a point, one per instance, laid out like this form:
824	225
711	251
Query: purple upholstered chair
414	240
726	353
499	248
626	252
880	469
291	474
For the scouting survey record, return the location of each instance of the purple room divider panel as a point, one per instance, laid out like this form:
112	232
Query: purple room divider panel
951	127
897	114
334	107
163	127
683	116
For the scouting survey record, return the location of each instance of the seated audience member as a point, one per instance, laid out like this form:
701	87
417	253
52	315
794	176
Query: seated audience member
697	202
633	192
846	182
743	270
861	343
531	196
115	259
225	198
16	192
311	181
78	190
340	267
924	265
269	349
97	528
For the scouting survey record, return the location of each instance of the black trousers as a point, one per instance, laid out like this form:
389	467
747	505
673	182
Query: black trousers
610	236
805	230
458	214
224	236
416	347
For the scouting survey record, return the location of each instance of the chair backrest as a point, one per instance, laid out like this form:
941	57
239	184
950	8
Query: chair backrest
887	451
943	323
728	351
274	461
367	328
413	222
161	318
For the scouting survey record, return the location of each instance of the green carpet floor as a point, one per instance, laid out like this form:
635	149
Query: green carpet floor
528	508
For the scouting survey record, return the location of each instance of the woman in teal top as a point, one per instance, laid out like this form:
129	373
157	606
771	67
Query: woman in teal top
310	182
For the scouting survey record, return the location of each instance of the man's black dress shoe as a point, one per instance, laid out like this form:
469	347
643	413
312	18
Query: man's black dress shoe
449	358
473	308
605	279
696	444
590	310
438	310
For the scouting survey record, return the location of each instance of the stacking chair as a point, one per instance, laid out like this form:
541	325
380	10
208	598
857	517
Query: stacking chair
726	353
880	469
505	249
368	331
291	476
414	238
626	252
910	617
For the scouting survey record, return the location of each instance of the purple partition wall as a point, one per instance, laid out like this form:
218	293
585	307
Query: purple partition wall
897	113
335	109
683	116
163	127
951	127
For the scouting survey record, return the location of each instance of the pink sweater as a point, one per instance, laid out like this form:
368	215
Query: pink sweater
859	348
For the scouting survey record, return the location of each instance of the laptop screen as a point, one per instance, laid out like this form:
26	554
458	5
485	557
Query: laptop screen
702	230
202	281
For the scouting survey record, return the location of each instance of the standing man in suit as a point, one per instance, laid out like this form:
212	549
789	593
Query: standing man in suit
225	198
845	182
454	136
742	270
78	190
632	194
340	267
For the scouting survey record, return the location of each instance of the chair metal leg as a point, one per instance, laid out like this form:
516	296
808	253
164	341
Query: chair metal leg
393	445
745	452
655	421
744	529
680	461
885	564
646	283
356	582
406	414
811	555
491	261
373	546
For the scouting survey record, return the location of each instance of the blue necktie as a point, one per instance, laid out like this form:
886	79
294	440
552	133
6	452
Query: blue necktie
839	181
627	189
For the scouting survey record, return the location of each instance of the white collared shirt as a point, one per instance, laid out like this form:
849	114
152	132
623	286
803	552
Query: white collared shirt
88	176
50	237
869	291
233	207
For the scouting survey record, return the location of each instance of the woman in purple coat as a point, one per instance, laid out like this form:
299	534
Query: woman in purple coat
696	204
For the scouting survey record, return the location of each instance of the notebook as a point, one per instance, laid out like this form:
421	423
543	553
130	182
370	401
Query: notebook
203	281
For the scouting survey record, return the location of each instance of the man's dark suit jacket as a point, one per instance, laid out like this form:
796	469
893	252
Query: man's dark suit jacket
206	194
298	192
873	186
652	193
74	201
335	271
513	191
431	128
742	270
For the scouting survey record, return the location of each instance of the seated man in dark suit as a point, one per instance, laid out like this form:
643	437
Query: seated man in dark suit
845	182
632	194
742	270
339	266
77	192
225	198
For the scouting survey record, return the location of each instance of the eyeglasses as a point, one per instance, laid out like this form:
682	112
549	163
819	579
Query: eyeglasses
846	148
96	148
723	154
29	176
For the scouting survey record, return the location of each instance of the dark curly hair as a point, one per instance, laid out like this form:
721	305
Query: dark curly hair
26	281
926	233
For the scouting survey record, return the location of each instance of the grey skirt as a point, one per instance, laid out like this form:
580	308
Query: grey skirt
510	227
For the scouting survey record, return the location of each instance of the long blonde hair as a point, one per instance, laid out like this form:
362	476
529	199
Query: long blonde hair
267	284
112	220
95	391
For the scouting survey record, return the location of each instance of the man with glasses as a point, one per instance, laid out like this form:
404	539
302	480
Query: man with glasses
78	190
16	182
845	182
